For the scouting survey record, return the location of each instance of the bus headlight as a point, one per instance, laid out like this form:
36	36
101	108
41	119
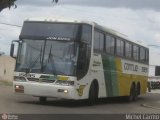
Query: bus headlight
63	90
65	83
19	88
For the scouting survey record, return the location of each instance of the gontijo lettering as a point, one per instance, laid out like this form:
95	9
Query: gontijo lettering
135	67
131	67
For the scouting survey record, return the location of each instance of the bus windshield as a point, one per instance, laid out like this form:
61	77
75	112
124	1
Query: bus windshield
49	57
54	48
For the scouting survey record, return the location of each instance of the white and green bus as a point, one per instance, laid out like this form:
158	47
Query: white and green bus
72	59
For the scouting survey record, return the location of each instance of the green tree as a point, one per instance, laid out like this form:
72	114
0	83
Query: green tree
7	4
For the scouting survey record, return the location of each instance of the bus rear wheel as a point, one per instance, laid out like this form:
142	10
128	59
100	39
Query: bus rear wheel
43	99
133	94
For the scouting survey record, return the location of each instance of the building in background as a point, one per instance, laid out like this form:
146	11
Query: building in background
154	70
7	65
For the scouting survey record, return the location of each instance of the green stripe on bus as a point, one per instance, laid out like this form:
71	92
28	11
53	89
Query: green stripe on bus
109	66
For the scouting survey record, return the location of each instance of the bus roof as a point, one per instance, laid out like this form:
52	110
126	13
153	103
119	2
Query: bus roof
69	20
59	19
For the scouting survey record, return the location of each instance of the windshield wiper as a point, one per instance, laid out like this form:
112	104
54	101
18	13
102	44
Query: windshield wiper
51	60
50	53
32	64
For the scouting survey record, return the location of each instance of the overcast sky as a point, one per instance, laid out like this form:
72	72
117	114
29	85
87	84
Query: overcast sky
138	19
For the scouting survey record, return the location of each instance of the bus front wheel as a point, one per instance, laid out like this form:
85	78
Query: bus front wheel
93	93
43	99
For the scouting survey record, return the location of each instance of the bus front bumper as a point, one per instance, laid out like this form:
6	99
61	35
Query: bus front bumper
46	90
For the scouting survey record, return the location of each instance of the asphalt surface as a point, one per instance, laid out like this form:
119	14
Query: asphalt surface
23	104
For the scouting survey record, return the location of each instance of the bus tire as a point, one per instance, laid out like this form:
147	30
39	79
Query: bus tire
43	99
131	97
93	93
135	93
139	88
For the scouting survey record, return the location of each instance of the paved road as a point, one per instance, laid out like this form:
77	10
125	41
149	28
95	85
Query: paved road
13	103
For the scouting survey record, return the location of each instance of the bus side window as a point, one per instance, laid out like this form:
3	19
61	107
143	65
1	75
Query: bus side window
135	52
110	44
142	54
147	56
83	60
98	41
128	50
82	56
86	34
120	47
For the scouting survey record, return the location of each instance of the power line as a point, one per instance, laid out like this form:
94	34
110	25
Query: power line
11	24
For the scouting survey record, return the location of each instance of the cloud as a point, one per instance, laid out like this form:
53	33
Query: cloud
157	37
132	4
142	25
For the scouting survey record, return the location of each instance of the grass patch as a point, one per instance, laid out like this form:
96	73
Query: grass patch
6	83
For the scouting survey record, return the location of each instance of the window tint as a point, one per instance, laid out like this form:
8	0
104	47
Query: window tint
147	56
128	50
86	34
135	52
83	60
142	54
98	41
110	44
120	47
157	70
49	30
101	41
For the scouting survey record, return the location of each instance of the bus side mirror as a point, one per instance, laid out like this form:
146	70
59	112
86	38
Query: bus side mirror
12	50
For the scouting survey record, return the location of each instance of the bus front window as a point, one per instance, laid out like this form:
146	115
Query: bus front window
60	58
29	57
49	57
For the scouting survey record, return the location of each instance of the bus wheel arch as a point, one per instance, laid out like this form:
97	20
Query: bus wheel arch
93	92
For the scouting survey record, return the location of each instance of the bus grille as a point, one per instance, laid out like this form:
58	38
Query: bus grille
41	80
